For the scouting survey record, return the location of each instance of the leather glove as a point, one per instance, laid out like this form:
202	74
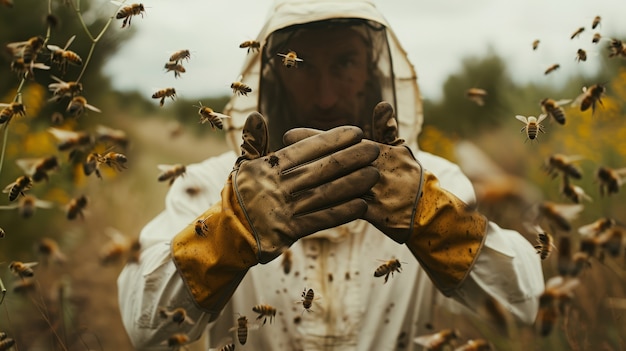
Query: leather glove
268	202
408	205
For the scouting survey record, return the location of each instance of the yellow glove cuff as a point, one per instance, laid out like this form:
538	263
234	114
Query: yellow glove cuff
447	236
213	264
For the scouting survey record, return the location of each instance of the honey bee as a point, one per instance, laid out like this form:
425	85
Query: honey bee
71	140
177	315
533	125
8	111
176	67
127	12
557	293
134	252
61	89
26	70
596	227
242	329
26	50
559	214
596	22
180	55
474	345
476	95
612	240
307	299
581	55
573	192
290	59
552	68
590	97
596	38
617	48
264	312
115	160
193	190
38	168
240	88
18	187
545	242
388	268
564	259
610	179
580	261
26	205
564	164
63	56
49	251
252	45
105	134
77	106
114	249
21	269
201	228
208	115
577	32
6	344
175	341
226	347
439	340
171	172
536	44
163	93
553	109
92	164
287	261
76	207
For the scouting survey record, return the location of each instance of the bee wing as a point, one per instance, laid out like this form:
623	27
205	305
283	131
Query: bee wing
3	105
283	55
621	172
8	188
54	48
165	167
117	3
93	108
428	340
63	134
27	164
521	118
588	230
115	235
16	45
40	65
579	99
569	211
533	227
43	203
57	79
9	207
220	115
541	117
69	42
562	102
30	264
299	59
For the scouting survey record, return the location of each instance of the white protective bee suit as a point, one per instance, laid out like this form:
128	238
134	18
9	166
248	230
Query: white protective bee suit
353	310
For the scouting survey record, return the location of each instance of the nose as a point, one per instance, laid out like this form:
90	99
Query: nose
327	92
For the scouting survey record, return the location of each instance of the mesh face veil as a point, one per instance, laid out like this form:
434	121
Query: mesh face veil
274	95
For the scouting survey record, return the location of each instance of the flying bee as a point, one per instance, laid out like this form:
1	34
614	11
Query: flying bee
63	56
573	192
290	59
265	311
26	70
201	228
26	205
616	48
176	67
49	251
77	106
596	22
596	227
8	111
559	214
580	261
557	293
127	12
611	240
475	345
610	179
564	164
171	172
553	109
115	160
287	261
545	242
536	44
61	89
71	140
581	55
21	269
26	50
533	125
240	88
577	32
590	97
115	248
308	296
76	207
208	115
439	340
225	347
180	55
117	137
18	187
476	95
252	45
242	329
175	341
6	344
596	38
38	168
388	268
163	93
552	68
177	315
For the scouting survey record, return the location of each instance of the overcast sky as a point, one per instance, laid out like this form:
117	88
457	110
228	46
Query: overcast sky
436	34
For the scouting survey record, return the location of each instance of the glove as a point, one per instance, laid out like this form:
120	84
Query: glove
269	202
408	205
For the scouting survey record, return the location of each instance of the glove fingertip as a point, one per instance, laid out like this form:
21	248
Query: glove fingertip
255	137
292	136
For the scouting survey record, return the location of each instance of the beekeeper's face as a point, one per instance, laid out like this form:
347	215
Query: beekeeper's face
326	89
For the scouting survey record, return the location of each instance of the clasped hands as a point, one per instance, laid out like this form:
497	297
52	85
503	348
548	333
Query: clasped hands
322	179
